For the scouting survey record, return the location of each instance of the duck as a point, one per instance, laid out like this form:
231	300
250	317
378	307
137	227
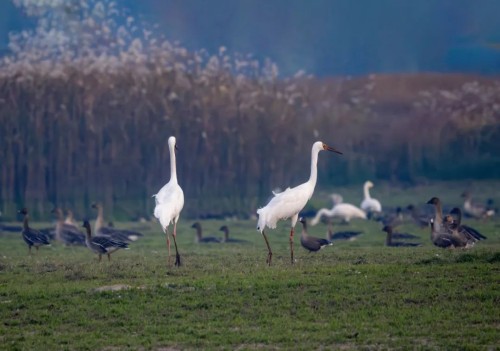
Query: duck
102	245
311	243
110	231
67	233
200	239
227	239
31	236
474	209
464	235
342	235
388	241
370	205
342	210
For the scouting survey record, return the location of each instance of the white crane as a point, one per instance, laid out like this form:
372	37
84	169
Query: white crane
169	202
369	204
289	203
340	210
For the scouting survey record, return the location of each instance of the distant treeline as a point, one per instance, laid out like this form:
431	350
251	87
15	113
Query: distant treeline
78	138
89	99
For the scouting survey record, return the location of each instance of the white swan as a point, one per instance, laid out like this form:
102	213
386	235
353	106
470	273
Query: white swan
340	210
369	204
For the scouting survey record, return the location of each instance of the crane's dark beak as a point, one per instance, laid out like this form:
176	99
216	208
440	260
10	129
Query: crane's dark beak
329	148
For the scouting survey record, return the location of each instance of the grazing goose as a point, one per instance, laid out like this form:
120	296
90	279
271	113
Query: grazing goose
110	231
419	219
67	233
388	241
32	237
342	210
474	209
343	235
200	239
392	219
290	202
102	245
370	205
463	235
311	243
170	201
227	239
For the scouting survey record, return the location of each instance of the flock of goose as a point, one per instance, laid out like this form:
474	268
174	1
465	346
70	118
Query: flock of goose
446	231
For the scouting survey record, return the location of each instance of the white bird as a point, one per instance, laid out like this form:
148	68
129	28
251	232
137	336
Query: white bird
169	202
340	210
370	205
289	203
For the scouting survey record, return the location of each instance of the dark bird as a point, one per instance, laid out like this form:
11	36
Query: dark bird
420	219
110	231
388	241
449	232
227	239
311	243
392	219
474	209
463	235
67	234
199	235
342	235
102	245
32	237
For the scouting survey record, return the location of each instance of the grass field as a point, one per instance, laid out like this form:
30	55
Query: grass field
353	295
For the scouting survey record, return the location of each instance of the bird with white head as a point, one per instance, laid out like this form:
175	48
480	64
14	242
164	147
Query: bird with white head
290	202
170	201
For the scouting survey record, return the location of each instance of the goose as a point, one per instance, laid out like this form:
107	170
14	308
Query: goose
67	233
440	236
169	202
311	243
342	235
70	219
342	210
370	205
290	202
32	237
110	231
475	210
102	245
463	235
227	239
199	235
419	219
388	241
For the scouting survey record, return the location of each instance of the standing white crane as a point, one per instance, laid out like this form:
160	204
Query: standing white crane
169	202
289	203
369	204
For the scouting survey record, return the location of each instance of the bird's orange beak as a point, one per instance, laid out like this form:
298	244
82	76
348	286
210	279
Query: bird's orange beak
329	148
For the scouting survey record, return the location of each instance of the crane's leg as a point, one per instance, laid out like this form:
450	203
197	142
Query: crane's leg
291	244
270	253
177	255
168	244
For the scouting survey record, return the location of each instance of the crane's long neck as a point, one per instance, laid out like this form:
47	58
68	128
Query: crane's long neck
366	191
173	168
314	168
99	221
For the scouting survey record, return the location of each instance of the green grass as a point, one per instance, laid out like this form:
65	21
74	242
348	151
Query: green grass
354	295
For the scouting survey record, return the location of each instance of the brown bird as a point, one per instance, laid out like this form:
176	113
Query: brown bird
32	237
311	243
